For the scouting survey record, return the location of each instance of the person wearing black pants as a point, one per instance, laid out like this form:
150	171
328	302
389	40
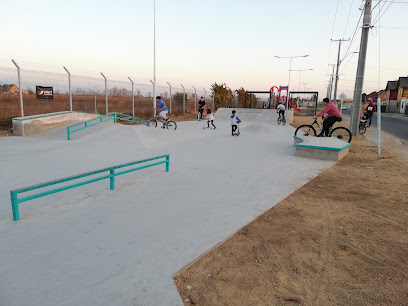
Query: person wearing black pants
201	105
328	123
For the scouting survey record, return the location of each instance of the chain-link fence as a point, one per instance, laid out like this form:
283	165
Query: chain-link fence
90	94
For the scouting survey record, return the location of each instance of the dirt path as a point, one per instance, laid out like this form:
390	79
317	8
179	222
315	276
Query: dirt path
342	239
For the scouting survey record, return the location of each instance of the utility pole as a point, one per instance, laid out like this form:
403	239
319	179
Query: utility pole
337	69
330	87
358	87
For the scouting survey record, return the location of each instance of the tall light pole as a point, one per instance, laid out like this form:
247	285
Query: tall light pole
154	55
290	63
304	86
205	94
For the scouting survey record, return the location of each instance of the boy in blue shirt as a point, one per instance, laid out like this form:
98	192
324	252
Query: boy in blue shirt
234	121
162	109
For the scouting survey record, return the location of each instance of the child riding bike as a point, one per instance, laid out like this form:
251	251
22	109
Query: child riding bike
162	110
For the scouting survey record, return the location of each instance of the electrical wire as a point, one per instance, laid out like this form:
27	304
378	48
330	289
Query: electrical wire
348	17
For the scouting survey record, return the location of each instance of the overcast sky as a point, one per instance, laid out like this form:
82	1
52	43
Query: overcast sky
201	42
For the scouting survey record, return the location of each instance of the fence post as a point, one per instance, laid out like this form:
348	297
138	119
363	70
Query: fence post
14	206
184	99
69	88
205	95
114	117
68	133
112	179
20	91
106	93
167	163
133	99
170	96
195	99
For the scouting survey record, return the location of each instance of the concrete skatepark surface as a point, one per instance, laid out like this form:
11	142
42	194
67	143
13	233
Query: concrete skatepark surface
94	246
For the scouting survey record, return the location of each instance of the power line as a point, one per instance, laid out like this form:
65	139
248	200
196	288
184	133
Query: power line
348	17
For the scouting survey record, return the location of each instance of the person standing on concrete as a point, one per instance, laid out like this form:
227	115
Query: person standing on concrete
333	115
370	112
234	121
210	118
201	105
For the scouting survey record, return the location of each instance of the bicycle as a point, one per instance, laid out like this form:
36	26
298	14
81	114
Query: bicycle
338	132
168	124
362	126
281	119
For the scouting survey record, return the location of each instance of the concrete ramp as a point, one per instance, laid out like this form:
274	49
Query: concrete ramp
30	125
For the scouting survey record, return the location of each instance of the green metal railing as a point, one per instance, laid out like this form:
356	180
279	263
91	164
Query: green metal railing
112	116
111	176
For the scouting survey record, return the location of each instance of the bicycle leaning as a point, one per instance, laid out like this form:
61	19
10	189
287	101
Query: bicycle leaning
309	130
363	125
167	124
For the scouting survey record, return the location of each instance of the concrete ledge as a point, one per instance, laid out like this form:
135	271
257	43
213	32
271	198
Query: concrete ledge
30	125
325	148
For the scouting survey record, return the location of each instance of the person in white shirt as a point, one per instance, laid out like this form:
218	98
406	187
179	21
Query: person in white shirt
281	110
210	118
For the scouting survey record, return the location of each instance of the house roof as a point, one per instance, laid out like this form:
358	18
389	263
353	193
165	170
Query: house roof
403	81
392	85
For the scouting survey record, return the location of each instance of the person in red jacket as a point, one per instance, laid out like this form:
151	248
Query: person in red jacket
370	112
331	114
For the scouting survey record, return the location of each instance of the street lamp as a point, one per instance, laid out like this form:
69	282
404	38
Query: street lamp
304	86
290	62
300	73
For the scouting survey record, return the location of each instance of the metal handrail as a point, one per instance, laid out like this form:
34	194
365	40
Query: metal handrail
101	119
15	201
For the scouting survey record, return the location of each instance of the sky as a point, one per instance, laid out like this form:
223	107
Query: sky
202	42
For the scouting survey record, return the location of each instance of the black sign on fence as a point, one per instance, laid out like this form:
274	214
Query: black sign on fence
44	93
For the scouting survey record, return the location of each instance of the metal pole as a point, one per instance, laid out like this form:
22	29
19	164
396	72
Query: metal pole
358	87
184	99
337	71
331	83
213	99
69	88
154	60
195	99
205	94
154	98
95	105
379	125
20	92
170	95
106	93
133	98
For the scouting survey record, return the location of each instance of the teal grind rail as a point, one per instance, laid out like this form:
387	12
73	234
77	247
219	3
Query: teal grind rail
111	176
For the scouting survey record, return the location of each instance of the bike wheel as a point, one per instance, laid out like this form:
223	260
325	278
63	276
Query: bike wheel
171	125
362	128
341	133
152	122
279	120
284	121
305	130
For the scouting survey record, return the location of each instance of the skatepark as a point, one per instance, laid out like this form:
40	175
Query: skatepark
95	246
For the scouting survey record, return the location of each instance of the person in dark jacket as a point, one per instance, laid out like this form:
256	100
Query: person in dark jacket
370	112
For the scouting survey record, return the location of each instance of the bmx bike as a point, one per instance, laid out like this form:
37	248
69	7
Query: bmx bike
168	124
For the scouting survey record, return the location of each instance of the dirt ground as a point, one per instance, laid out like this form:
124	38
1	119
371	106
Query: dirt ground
341	239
